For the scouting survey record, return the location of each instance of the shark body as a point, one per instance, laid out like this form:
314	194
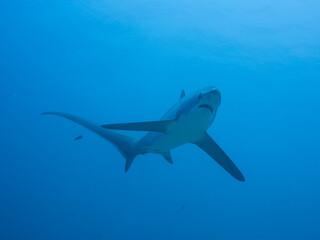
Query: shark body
185	122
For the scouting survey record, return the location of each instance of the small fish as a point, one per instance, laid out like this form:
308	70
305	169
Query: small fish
78	138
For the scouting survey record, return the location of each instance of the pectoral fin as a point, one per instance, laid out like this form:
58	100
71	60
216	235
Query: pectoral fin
155	126
207	144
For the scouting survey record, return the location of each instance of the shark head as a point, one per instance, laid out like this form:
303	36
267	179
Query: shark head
202	104
209	98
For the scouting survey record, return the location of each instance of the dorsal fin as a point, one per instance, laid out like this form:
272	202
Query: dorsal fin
182	94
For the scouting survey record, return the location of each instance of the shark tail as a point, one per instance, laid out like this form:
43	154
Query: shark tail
125	144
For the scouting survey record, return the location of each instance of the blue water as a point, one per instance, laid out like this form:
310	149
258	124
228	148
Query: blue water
127	61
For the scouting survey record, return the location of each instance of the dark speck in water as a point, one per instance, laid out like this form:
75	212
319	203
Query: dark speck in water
78	138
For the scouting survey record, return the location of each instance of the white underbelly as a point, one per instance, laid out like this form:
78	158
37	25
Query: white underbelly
187	129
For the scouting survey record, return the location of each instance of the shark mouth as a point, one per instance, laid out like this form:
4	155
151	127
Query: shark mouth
207	106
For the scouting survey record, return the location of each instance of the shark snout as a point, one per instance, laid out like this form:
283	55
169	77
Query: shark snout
215	92
212	97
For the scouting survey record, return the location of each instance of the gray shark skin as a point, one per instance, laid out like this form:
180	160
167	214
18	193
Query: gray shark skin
185	122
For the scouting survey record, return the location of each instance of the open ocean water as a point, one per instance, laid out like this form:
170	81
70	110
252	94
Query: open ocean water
127	61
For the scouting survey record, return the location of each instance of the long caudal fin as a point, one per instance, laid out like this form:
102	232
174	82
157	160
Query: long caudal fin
124	143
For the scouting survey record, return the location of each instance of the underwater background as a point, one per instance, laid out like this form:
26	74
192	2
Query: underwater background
127	61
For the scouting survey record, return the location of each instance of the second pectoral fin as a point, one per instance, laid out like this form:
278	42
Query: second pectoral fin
167	156
207	144
154	126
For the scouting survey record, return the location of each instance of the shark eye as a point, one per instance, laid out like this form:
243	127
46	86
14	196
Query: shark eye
200	96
